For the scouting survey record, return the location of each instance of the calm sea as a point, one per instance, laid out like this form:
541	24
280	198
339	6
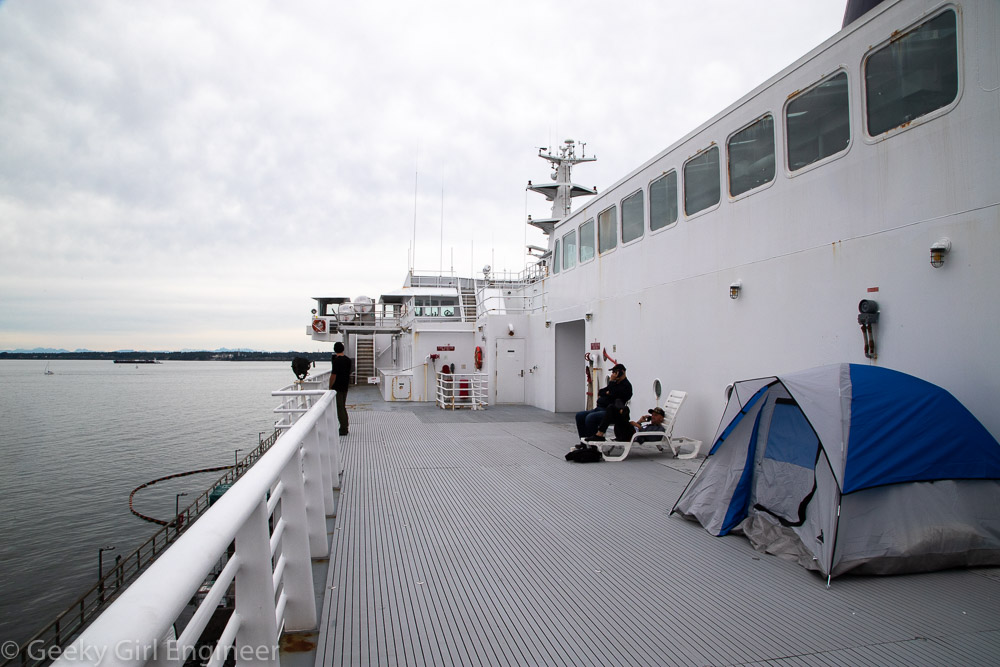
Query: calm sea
75	444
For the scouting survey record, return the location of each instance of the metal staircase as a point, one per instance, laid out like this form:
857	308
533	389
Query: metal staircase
469	303
364	365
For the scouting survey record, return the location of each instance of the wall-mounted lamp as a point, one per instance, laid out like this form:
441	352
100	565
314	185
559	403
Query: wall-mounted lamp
589	316
734	289
940	248
547	324
510	329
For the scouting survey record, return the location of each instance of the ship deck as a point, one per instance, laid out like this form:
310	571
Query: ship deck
465	538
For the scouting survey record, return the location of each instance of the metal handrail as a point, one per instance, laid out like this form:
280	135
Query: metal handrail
300	467
50	639
462	390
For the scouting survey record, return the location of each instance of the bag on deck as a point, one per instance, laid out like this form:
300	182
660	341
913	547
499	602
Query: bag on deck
584	455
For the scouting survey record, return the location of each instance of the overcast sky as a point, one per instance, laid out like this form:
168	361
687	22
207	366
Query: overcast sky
188	174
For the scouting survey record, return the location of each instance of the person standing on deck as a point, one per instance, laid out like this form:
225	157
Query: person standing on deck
340	378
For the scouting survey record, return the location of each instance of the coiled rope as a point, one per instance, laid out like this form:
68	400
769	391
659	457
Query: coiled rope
161	522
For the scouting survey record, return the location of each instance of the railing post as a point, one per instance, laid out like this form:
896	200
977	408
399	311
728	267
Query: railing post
255	589
312	487
334	440
300	609
323	434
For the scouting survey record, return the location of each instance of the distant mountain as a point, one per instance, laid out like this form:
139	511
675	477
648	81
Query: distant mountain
41	350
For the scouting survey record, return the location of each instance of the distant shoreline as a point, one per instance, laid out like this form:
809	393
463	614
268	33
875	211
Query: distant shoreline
169	356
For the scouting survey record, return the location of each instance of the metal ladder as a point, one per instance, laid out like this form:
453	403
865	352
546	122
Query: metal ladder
364	365
469	304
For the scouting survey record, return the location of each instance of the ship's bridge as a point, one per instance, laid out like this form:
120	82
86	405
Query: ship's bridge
360	316
394	312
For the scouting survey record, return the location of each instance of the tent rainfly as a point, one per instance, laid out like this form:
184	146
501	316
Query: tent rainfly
852	468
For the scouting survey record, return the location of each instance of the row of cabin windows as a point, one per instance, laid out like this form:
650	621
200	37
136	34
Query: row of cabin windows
910	77
435	306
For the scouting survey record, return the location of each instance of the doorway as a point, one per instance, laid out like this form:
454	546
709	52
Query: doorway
571	379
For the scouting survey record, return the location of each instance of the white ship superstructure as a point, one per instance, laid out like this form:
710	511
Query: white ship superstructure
863	172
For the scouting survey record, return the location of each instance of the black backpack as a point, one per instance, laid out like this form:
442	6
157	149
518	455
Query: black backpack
585	455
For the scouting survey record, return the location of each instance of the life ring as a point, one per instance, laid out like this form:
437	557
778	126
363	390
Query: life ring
479	358
319	326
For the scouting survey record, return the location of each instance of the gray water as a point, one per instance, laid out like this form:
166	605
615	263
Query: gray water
75	444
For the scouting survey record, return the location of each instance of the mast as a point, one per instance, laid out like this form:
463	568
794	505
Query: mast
562	191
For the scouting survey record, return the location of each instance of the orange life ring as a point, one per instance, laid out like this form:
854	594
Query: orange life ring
319	326
479	358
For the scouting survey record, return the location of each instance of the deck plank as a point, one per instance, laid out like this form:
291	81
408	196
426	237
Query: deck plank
473	542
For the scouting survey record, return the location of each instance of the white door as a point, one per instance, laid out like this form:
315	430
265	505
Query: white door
510	370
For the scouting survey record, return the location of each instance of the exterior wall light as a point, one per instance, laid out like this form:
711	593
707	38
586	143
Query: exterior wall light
940	248
589	316
547	324
734	289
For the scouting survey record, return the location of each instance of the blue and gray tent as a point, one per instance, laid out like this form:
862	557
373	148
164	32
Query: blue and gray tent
852	468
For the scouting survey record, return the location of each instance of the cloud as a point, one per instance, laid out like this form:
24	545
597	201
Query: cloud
188	174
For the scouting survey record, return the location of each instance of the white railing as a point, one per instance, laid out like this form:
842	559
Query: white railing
462	390
274	514
298	398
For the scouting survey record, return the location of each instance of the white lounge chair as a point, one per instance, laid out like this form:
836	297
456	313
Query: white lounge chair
664	437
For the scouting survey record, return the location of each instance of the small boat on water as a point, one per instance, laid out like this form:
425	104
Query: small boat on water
48	371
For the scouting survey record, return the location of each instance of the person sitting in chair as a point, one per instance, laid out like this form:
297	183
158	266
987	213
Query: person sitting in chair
647	423
611	407
651	422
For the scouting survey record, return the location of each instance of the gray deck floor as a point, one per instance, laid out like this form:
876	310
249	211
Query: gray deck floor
466	539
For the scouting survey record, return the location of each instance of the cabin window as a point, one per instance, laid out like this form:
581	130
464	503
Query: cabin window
913	75
587	240
751	156
556	264
607	229
569	250
633	216
818	122
701	181
663	201
435	306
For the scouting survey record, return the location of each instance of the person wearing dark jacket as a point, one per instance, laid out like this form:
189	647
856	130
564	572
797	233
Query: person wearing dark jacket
340	380
611	402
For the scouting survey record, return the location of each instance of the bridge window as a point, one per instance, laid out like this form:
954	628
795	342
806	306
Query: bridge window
607	229
633	216
663	201
556	264
818	122
587	240
569	250
434	306
701	181
751	156
913	75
